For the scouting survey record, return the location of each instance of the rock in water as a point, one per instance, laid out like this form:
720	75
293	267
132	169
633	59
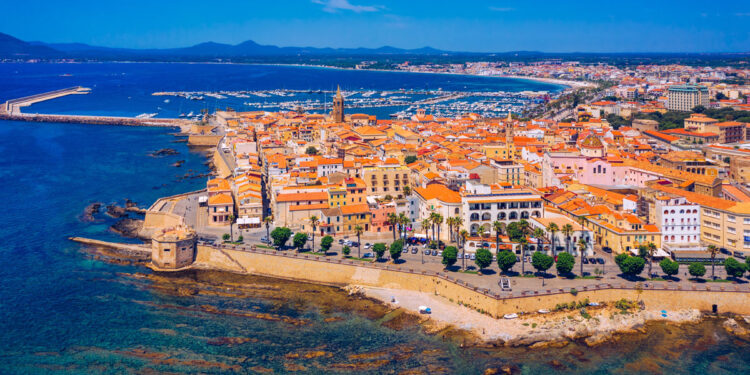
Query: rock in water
163	152
90	211
127	227
116	211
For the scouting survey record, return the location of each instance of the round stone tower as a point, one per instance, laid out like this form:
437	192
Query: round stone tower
173	248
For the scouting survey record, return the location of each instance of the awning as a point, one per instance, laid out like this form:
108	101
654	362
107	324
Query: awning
248	220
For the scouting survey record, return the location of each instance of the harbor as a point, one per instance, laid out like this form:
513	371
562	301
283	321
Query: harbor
11	111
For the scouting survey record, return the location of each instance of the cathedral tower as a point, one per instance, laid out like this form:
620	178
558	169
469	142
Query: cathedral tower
337	113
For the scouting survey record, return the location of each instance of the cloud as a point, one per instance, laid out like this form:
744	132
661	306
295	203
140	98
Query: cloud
333	6
501	9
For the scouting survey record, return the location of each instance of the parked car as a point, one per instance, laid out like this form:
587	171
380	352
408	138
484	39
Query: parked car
440	253
427	252
473	256
354	244
600	260
341	241
584	260
367	255
607	249
414	250
405	250
434	253
592	260
367	245
264	239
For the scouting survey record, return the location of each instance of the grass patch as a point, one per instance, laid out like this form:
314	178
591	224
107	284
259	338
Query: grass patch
533	325
657	279
526	324
234	243
528	275
718	281
264	247
318	253
361	259
471	272
589	277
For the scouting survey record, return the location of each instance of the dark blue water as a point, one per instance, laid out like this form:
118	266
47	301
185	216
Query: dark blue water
62	311
122	89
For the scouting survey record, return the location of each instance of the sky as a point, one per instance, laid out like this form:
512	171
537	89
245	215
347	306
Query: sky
464	25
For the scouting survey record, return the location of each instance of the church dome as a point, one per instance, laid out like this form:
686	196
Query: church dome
592	141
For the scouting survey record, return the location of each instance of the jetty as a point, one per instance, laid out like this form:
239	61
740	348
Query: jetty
11	110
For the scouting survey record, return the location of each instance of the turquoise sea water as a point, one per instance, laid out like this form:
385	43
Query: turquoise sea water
62	311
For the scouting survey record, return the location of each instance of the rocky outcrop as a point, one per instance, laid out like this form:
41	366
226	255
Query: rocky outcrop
91	210
127	227
734	328
163	152
116	211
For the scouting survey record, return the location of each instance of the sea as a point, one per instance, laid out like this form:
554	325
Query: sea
65	309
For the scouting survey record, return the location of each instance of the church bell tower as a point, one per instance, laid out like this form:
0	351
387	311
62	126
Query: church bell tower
337	113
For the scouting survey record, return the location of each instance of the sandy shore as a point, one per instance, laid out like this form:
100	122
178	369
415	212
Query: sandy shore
535	330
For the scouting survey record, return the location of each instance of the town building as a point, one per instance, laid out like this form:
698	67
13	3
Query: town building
686	97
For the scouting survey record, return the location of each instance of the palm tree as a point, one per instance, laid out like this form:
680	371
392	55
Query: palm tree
358	231
231	233
651	248
523	243
439	223
552	228
433	218
463	235
538	234
268	220
407	191
402	222
458	222
392	221
581	248
713	250
426	226
405	221
450	222
314	221
499	228
567	230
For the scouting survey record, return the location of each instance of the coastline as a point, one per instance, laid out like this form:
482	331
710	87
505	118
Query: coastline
534	330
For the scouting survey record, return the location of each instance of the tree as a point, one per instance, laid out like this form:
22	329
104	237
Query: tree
225	237
522	244
552	228
713	250
499	228
733	267
450	255
299	240
346	251
426	227
358	231
463	235
514	231
240	239
403	221
410	159
396	249
697	269
280	235
669	267
567	230
620	258
539	235
720	96
314	223
407	191
311	151
541	261
632	266
379	249
651	251
268	220
438	222
699	109
565	263
506	260
582	245
231	225
392	221
458	222
483	258
326	243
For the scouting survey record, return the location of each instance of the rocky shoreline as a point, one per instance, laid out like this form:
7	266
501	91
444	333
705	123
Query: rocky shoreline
590	325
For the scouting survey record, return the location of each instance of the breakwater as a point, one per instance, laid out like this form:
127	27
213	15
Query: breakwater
95	120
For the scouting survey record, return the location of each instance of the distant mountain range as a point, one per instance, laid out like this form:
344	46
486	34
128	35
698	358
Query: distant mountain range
11	47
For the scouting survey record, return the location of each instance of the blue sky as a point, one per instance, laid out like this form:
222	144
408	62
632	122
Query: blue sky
465	25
